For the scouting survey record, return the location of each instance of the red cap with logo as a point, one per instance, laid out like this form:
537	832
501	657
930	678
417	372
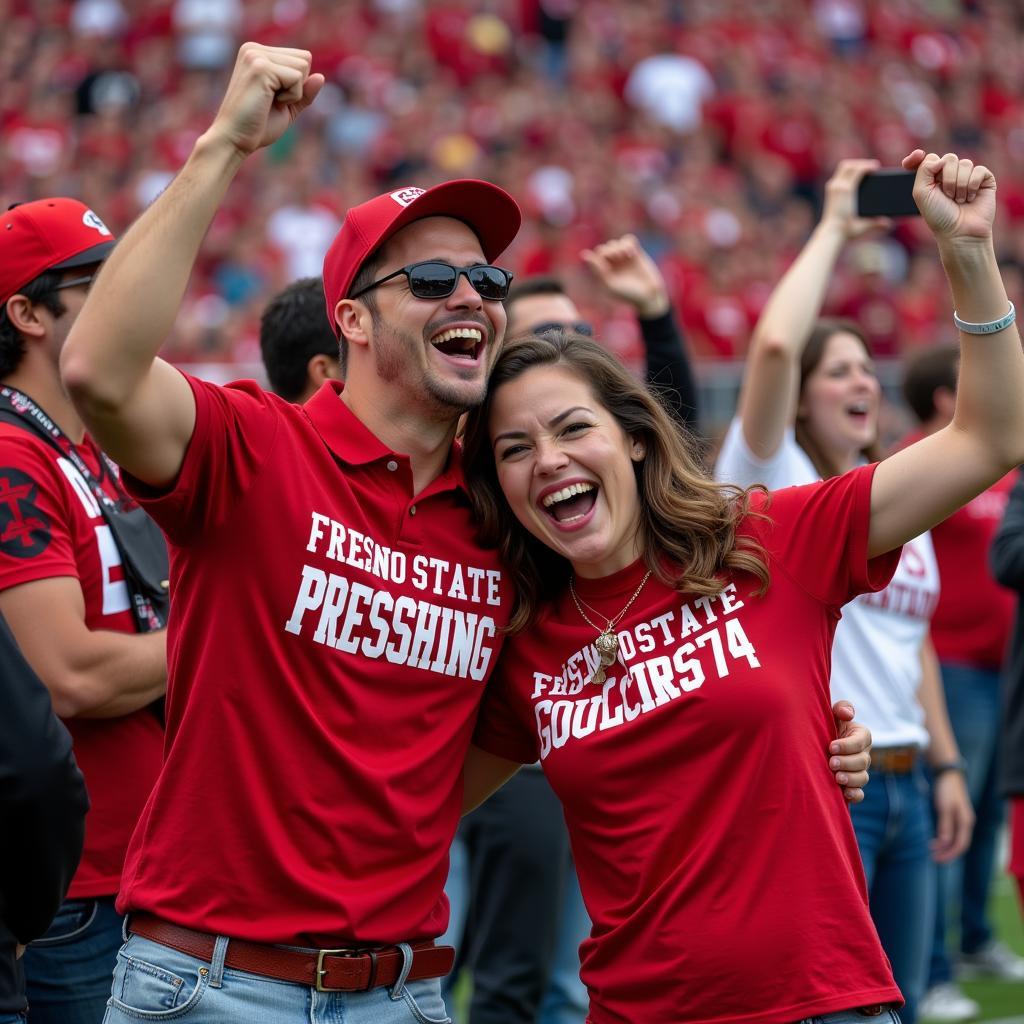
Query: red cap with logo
489	211
48	234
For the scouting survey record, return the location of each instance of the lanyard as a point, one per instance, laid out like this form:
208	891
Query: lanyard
17	403
138	539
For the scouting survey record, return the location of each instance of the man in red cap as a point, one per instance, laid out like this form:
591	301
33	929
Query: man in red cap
67	590
335	617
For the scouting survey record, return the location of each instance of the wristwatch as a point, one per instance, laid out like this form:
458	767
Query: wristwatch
958	765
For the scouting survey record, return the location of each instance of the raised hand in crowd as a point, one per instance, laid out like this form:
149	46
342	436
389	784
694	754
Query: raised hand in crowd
626	272
142	410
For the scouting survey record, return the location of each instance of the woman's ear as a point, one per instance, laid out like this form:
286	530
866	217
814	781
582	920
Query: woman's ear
637	450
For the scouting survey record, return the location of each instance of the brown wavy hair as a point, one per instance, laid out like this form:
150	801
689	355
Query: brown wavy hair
812	354
687	521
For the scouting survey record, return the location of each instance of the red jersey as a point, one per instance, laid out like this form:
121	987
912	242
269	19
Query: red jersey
330	639
972	621
716	895
51	525
974	616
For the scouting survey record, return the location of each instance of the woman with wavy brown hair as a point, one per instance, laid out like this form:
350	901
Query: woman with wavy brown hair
674	641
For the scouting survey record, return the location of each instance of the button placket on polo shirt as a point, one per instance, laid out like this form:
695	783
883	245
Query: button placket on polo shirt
406	531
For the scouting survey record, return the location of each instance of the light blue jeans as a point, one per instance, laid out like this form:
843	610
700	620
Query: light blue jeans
894	828
972	697
853	1017
67	971
155	983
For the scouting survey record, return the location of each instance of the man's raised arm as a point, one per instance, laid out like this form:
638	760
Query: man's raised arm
139	409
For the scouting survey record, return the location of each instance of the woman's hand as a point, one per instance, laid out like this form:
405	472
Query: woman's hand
956	197
841	199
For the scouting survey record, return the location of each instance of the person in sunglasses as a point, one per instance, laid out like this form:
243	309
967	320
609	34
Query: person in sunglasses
625	273
64	594
336	618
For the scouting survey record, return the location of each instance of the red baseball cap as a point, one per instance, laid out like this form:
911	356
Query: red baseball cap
489	211
48	234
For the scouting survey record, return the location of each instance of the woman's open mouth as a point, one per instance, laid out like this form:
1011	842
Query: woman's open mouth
570	504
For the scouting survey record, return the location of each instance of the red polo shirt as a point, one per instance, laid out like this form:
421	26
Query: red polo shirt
329	644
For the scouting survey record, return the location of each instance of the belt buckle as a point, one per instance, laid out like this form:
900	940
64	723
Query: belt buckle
321	970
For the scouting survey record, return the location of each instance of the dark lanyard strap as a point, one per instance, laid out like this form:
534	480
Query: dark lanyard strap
138	539
16	404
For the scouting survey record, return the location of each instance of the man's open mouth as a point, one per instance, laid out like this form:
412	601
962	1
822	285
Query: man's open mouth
460	343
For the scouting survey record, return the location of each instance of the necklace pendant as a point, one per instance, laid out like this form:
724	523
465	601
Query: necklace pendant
607	645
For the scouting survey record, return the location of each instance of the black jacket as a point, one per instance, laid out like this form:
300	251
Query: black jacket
669	370
1008	568
42	814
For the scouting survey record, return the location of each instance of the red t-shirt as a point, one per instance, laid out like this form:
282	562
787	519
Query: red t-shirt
714	850
330	640
51	525
974	616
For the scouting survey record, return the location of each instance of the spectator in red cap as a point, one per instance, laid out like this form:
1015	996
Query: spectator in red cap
72	547
335	616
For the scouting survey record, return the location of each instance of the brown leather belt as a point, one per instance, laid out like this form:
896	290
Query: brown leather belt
895	760
327	970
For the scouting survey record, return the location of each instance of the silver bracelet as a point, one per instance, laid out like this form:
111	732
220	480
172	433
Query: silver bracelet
987	328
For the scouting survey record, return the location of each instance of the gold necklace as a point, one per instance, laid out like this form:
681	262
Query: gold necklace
607	642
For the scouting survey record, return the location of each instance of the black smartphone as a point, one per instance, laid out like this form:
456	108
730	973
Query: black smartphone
888	192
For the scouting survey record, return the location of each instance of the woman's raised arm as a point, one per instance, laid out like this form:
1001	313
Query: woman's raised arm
921	485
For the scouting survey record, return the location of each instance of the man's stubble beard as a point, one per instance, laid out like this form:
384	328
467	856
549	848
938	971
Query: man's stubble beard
394	351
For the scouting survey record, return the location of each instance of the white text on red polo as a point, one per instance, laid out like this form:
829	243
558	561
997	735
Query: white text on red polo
361	618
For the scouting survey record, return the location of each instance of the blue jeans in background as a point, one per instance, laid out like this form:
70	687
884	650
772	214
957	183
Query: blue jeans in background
456	888
12	1018
156	983
894	828
68	970
972	697
565	998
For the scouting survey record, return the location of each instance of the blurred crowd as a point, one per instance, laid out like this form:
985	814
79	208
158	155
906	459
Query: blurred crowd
600	116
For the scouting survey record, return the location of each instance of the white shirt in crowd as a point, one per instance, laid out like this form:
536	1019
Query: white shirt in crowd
876	651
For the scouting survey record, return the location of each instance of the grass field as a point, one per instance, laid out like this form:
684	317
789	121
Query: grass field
1001	1000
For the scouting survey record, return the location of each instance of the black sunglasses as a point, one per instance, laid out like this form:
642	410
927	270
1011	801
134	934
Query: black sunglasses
580	327
433	280
74	282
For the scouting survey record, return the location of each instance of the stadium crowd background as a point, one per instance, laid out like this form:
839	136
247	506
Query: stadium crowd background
707	127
